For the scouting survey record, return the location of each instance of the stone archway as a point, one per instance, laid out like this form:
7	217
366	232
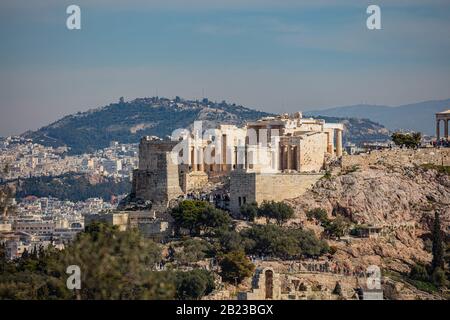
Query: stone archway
269	284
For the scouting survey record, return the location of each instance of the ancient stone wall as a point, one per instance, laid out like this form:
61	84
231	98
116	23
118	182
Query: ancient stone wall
246	187
193	181
116	219
312	152
403	157
157	178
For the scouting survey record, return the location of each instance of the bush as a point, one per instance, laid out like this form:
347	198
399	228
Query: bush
327	175
193	285
114	265
419	272
318	213
279	211
338	227
284	243
423	285
337	289
409	140
439	279
193	250
229	240
235	267
198	216
249	211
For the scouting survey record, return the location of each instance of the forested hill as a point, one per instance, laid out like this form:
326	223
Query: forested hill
127	122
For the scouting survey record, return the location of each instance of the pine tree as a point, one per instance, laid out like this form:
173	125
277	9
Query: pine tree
438	250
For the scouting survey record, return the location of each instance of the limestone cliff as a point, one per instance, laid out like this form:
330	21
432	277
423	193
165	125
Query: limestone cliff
401	199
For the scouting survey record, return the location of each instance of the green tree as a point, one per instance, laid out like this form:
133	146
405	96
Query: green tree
228	240
187	215
193	250
279	211
285	243
235	267
197	216
213	219
409	140
249	211
338	227
194	284
113	264
438	277
318	213
419	272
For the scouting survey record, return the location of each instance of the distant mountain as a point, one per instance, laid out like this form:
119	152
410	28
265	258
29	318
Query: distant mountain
127	122
417	116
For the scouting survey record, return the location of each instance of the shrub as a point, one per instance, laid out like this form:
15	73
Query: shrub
439	279
193	250
279	211
419	272
318	213
235	267
198	216
249	211
275	241
193	285
337	227
409	140
337	289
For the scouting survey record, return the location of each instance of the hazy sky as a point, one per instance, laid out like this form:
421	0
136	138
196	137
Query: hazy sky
272	55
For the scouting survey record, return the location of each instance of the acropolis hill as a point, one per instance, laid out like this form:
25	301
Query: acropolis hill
388	197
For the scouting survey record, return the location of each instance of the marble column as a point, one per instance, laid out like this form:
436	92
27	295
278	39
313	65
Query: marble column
339	143
193	162
224	153
446	128
289	158
280	160
296	158
201	160
438	130
330	141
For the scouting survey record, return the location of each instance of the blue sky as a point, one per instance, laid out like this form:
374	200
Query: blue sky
278	56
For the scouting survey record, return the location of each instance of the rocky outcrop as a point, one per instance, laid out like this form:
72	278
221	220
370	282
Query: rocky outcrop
400	199
379	195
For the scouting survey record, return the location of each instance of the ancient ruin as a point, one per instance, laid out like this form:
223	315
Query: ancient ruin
445	117
274	158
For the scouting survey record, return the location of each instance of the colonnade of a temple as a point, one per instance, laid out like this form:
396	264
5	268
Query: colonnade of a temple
438	128
332	142
247	157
